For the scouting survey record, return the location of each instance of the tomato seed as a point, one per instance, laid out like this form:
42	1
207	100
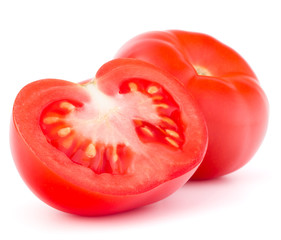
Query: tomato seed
63	132
147	131
50	120
133	87
169	121
152	89
172	142
68	106
114	155
161	105
91	151
157	97
172	133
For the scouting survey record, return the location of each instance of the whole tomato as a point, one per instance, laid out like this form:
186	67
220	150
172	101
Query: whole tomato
225	87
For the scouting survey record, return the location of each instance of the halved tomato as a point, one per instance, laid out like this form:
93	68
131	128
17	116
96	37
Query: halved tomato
126	138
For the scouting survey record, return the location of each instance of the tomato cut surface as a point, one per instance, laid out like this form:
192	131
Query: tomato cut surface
102	133
128	137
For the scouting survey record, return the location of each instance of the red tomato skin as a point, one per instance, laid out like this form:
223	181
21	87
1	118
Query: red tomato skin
59	193
44	176
233	103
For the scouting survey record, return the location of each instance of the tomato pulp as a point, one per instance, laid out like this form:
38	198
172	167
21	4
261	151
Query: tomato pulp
129	137
225	87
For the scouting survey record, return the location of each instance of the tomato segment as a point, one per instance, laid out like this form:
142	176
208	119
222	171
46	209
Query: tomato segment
168	130
120	141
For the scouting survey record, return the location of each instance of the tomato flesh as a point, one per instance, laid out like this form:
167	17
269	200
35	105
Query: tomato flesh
119	141
92	134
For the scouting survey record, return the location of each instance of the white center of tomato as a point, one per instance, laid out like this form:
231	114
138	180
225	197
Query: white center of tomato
109	119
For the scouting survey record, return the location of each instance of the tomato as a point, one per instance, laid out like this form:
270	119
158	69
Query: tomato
126	138
225	87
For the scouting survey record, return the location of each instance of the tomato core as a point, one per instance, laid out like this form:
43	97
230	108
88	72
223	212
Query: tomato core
202	71
102	134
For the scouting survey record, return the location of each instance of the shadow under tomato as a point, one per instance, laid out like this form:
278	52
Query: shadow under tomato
194	196
229	190
193	199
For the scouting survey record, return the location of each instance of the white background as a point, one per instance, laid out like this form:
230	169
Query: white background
71	40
